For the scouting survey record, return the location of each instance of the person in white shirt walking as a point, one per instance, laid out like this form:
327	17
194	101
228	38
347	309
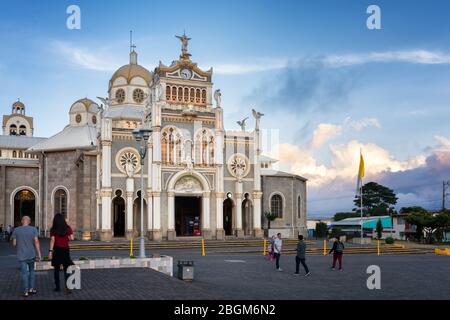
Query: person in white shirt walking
277	249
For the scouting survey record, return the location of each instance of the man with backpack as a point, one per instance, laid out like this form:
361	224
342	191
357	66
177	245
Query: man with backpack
338	251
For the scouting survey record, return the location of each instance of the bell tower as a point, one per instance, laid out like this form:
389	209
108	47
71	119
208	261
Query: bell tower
17	123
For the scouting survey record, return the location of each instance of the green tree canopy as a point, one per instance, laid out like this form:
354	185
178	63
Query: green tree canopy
377	199
415	209
321	229
344	215
379	229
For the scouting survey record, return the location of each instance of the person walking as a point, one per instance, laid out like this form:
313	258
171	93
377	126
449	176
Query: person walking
338	252
25	238
59	252
277	249
301	256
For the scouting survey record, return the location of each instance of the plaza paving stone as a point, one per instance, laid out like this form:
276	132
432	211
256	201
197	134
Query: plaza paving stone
241	277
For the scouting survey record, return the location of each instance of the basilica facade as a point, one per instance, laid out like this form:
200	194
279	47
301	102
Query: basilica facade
199	180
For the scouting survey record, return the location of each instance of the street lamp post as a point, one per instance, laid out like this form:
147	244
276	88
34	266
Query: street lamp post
141	136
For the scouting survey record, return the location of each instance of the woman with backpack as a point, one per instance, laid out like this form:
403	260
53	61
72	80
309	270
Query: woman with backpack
338	251
59	252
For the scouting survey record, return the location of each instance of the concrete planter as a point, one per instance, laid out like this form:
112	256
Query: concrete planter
163	264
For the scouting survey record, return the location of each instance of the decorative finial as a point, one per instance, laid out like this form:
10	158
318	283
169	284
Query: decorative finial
133	54
184	46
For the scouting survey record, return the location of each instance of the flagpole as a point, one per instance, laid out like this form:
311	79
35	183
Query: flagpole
361	198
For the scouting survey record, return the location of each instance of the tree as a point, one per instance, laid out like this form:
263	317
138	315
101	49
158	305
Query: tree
442	221
344	215
379	229
377	199
424	222
416	209
270	217
321	229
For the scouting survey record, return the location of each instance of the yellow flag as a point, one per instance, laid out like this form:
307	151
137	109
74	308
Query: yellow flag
361	167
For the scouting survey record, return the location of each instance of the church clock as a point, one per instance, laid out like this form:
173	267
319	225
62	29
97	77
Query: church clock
186	74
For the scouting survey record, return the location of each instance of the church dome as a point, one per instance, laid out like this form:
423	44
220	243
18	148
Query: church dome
84	105
132	70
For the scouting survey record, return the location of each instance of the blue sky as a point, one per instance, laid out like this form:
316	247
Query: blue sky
312	66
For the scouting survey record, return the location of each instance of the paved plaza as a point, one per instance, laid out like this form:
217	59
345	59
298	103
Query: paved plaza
249	276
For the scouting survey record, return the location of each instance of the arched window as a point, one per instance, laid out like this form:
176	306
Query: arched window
180	94
13	130
60	202
276	205
203	96
14	154
20	154
171	146
192	96
186	95
22	130
174	93
204	147
197	96
299	207
167	93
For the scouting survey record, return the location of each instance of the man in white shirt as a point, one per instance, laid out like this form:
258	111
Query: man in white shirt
277	249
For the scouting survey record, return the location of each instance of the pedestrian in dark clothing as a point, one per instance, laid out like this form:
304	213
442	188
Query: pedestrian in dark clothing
59	252
301	256
338	252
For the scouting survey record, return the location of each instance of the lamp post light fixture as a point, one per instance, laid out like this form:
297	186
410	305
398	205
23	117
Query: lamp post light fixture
141	136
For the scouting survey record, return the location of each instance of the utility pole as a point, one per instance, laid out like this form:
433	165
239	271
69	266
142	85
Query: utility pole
445	186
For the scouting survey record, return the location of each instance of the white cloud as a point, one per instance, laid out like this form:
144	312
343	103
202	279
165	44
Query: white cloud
323	133
85	58
358	125
413	56
443	143
339	61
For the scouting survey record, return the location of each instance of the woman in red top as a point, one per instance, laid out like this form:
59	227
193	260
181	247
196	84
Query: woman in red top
59	254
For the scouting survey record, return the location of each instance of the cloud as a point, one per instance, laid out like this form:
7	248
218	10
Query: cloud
413	56
362	123
416	180
97	60
303	86
419	56
323	133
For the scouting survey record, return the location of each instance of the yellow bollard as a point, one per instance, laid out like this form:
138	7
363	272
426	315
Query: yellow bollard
324	247
265	246
131	247
203	248
379	247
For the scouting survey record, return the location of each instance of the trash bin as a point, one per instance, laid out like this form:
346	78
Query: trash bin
186	270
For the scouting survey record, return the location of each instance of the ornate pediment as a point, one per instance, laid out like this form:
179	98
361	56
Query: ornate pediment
185	70
188	184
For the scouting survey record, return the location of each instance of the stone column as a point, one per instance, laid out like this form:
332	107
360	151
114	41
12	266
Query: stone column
206	219
105	232
220	232
257	214
171	234
157	236
106	192
129	208
257	194
156	182
239	231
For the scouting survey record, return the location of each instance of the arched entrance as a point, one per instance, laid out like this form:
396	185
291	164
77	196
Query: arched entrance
188	205
24	205
247	221
228	217
137	213
119	215
188	214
